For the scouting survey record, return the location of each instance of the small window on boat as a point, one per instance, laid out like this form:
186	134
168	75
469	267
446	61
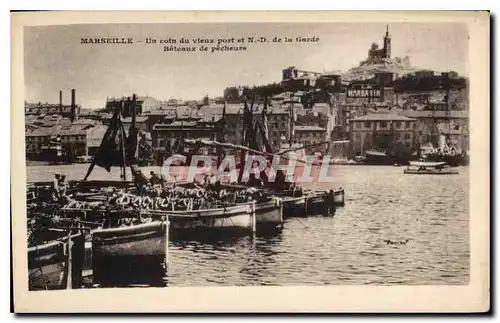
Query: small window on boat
383	124
368	124
398	124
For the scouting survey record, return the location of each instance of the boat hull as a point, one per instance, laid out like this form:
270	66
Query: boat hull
315	204
294	206
430	172
338	197
239	219
269	215
130	255
377	158
51	267
452	160
320	203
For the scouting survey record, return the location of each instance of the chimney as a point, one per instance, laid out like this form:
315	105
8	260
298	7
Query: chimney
74	113
60	101
134	103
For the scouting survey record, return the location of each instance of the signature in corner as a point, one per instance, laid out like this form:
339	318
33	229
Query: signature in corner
396	241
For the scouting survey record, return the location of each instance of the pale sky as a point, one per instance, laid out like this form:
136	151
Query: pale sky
56	60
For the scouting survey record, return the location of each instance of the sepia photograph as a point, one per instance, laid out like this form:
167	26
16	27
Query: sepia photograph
248	154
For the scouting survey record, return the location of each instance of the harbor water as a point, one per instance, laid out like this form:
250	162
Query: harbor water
394	229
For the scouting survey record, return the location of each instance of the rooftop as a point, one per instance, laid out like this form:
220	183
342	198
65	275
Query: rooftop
63	130
95	135
137	119
175	124
308	128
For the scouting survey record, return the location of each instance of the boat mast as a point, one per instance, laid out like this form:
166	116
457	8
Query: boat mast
134	102
447	84
291	118
122	146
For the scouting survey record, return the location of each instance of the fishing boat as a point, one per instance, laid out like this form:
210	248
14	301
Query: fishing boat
269	209
316	203
377	157
323	202
269	215
56	264
293	206
118	253
430	168
117	248
234	220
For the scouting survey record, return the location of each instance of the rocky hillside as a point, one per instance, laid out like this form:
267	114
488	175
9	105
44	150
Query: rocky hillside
367	70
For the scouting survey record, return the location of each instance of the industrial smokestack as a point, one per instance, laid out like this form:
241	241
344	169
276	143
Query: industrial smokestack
60	101
74	113
134	103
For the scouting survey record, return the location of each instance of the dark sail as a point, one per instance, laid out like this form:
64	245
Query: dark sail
132	146
109	151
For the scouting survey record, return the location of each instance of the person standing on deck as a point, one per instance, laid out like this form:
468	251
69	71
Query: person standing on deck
63	185
280	181
55	187
140	180
155	179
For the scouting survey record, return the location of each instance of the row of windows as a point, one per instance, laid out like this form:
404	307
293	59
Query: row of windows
46	138
53	109
271	125
385	124
406	136
310	134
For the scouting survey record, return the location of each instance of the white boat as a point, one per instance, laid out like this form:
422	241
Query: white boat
149	239
233	219
430	168
119	253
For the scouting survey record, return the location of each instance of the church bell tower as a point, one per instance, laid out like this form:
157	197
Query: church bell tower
387	43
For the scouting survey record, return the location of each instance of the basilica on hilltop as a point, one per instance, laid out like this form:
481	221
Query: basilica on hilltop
378	55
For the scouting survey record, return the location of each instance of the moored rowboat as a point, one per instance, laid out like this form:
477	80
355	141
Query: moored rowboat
294	206
315	203
320	202
430	168
232	219
119	253
56	264
269	215
431	172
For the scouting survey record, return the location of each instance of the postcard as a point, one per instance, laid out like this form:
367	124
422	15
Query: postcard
250	161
